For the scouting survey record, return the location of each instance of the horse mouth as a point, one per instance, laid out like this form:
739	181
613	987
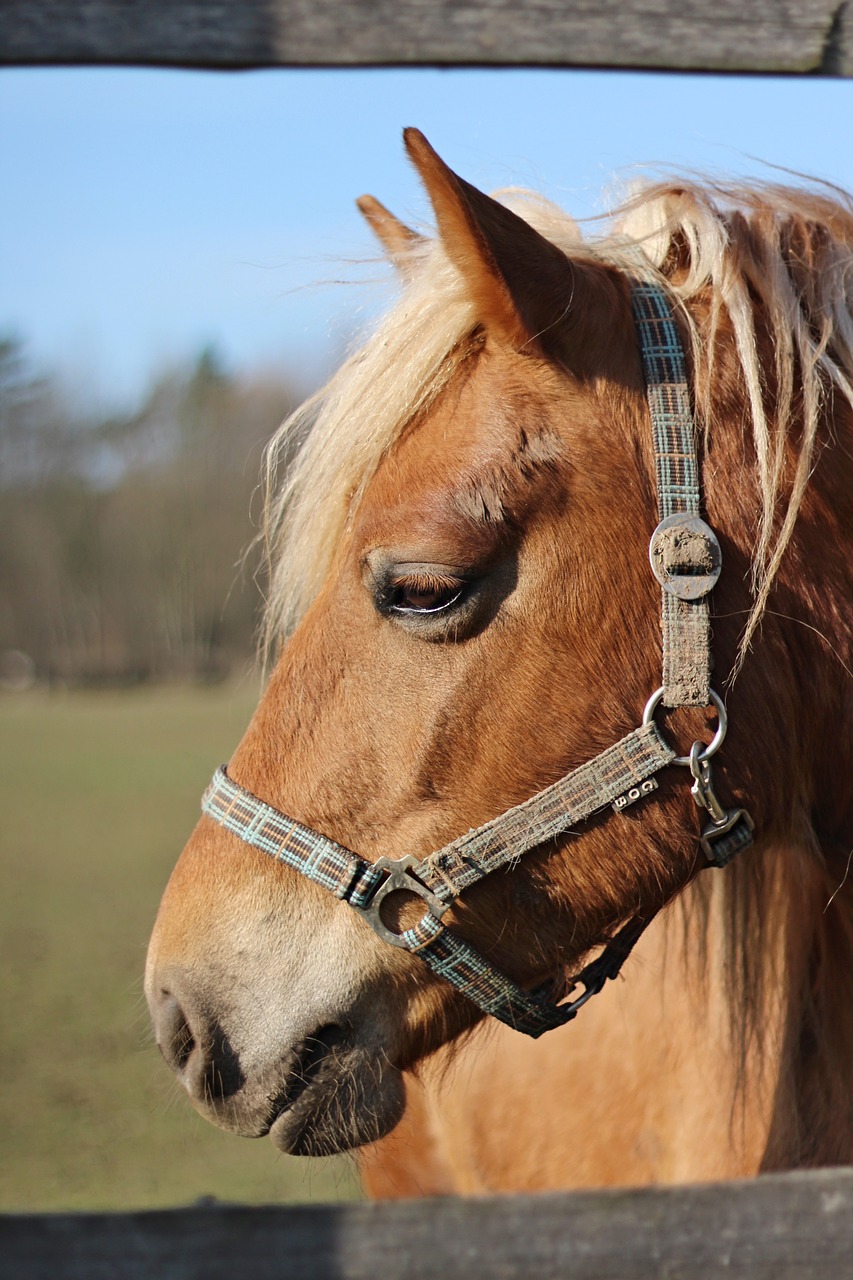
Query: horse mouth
335	1098
310	1058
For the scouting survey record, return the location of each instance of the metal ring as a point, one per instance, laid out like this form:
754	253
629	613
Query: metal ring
717	740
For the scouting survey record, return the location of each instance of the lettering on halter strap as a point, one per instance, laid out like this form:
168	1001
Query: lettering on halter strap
636	793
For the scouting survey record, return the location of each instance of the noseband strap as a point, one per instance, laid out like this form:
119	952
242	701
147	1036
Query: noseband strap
685	558
625	769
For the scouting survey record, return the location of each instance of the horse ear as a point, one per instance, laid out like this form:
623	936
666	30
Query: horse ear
396	238
523	286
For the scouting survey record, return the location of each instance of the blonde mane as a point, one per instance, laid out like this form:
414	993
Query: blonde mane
786	249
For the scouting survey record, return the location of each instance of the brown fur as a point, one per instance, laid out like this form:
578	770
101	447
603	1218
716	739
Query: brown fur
529	474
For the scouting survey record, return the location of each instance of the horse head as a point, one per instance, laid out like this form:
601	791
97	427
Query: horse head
479	620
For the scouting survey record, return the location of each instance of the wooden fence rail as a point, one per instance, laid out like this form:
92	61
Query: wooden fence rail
812	37
796	1226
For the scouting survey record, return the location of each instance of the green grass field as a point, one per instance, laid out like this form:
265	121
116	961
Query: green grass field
99	792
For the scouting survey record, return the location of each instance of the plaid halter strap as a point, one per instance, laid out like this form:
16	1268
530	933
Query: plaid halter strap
685	559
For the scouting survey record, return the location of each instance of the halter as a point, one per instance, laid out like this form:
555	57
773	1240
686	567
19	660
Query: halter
686	560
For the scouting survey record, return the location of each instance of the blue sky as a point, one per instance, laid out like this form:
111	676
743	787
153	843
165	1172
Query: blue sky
148	213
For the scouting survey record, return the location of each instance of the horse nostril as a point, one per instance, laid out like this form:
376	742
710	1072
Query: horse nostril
174	1036
217	1073
197	1048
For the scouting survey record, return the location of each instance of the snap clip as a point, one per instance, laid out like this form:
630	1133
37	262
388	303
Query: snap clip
729	830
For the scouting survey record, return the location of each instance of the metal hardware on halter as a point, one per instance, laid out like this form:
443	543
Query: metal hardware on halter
685	556
729	830
705	752
400	879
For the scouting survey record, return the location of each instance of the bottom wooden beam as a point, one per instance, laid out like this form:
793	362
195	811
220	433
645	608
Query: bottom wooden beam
785	1227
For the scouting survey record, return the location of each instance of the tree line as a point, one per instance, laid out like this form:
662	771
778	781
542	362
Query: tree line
126	542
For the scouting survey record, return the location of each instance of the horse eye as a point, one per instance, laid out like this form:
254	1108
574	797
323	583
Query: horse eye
422	595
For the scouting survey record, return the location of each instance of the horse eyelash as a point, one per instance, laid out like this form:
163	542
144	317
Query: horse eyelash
425	582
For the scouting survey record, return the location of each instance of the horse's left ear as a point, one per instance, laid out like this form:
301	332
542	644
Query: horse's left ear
523	287
396	238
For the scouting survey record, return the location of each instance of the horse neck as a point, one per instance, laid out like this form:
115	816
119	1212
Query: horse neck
776	947
812	1120
784	914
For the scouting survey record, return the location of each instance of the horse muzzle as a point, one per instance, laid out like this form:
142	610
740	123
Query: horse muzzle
314	1093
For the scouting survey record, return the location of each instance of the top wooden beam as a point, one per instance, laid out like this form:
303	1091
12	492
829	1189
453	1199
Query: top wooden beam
791	37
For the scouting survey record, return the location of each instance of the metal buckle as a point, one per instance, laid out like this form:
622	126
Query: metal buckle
400	877
685	556
729	830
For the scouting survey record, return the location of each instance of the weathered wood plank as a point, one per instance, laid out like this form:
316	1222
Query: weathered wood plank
794	36
786	1227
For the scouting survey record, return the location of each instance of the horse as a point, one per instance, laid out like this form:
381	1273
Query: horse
461	615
